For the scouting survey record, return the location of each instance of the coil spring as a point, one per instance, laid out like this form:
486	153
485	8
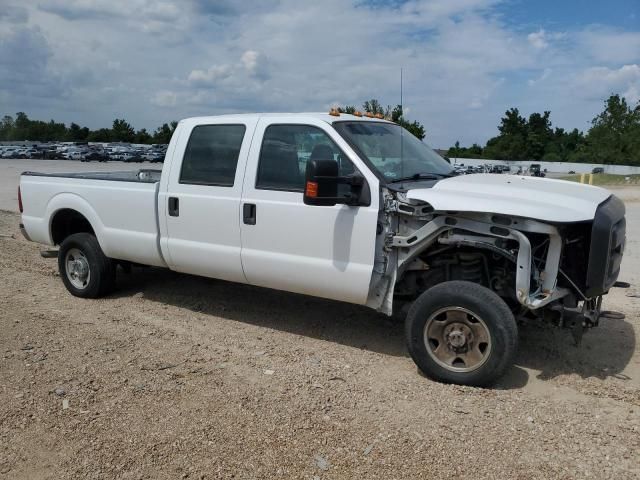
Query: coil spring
471	267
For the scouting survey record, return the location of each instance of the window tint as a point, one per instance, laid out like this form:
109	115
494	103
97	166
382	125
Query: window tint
211	156
285	151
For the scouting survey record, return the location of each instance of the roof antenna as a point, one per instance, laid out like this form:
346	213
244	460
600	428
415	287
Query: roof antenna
400	125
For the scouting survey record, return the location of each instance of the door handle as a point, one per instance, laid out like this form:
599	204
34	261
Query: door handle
249	213
174	206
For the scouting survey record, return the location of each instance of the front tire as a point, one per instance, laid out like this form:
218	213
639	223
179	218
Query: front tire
461	332
84	268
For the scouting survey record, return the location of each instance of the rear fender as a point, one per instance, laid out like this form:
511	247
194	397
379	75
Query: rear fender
72	201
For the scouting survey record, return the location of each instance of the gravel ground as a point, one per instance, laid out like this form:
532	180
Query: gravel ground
176	376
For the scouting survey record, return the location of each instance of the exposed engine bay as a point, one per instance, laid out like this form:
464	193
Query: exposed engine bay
554	272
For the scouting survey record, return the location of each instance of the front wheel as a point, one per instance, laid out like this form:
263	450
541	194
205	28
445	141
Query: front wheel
461	332
84	268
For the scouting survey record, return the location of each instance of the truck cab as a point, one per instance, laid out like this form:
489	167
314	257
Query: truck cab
350	208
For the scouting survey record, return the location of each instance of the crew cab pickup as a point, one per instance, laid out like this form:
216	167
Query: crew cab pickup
350	208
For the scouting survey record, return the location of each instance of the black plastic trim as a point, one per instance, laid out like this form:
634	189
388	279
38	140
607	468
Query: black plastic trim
608	234
126	176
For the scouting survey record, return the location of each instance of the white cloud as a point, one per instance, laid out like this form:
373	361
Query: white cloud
255	64
538	39
602	81
464	62
165	98
610	46
209	77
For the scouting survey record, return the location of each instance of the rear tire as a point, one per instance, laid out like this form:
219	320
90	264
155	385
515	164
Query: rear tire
461	332
84	268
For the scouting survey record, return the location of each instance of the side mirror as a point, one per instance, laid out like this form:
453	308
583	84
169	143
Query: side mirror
321	183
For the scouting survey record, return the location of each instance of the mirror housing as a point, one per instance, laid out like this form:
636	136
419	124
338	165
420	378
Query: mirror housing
321	185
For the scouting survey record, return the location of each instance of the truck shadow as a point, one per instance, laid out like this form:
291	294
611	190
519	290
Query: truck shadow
605	351
333	321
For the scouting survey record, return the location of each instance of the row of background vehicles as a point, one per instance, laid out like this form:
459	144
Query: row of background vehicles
533	170
86	153
462	169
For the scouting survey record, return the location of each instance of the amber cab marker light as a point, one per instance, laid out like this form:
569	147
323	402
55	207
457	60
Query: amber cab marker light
368	115
334	112
20	201
357	113
379	115
311	190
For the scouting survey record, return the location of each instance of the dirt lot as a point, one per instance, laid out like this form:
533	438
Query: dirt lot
181	377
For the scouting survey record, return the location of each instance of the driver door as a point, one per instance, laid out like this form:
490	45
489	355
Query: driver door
287	245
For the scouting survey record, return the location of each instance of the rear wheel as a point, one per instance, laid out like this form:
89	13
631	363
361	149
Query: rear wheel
84	268
461	332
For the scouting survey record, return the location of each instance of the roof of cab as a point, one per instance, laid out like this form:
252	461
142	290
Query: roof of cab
315	115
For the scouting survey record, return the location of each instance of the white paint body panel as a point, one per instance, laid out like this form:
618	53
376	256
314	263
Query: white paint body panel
205	238
322	251
122	214
530	197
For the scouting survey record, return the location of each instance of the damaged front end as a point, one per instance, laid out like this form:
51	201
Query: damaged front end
539	268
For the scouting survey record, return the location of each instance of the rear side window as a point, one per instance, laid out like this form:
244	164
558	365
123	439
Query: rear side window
211	156
285	151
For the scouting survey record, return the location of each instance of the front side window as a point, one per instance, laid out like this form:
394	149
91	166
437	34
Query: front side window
285	152
394	152
211	156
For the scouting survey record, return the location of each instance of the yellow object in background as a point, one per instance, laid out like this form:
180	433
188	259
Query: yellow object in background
591	179
582	178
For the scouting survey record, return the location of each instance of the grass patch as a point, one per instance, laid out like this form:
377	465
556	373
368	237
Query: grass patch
606	179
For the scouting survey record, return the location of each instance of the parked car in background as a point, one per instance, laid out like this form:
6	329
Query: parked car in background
95	155
154	156
597	170
535	170
8	152
74	154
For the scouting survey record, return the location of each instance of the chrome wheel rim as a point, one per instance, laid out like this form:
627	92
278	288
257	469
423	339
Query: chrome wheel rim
77	268
457	339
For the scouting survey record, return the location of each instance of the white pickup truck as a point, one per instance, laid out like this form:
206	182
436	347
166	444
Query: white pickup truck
350	208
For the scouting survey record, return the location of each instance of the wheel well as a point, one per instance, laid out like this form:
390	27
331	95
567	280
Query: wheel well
441	264
67	222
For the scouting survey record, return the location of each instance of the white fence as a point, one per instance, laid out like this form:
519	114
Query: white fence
552	167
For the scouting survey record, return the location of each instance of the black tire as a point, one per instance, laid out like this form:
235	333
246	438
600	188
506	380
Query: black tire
102	270
496	320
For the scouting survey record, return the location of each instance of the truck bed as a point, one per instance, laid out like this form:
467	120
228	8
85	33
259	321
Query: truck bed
121	208
142	176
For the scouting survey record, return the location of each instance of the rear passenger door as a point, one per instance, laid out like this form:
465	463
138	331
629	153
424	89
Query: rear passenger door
202	201
287	245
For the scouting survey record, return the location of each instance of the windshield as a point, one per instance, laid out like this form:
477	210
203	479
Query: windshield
392	150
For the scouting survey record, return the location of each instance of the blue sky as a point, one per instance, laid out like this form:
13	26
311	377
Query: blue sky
465	61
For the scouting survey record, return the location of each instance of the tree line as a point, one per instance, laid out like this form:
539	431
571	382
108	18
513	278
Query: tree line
613	138
23	128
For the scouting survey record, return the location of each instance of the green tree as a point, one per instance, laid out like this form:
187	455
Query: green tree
6	125
142	136
396	115
122	131
164	132
76	133
100	135
373	106
614	134
350	109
